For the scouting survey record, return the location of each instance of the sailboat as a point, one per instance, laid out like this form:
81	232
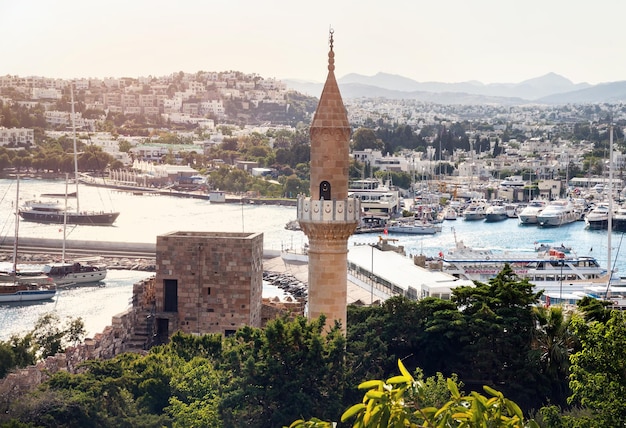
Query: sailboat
54	212
15	287
78	271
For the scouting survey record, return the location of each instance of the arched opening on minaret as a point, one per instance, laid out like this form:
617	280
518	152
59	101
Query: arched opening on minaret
325	190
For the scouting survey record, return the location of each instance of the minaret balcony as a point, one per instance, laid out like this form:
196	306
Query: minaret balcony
332	211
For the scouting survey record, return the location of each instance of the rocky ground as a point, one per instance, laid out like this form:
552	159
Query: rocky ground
143	264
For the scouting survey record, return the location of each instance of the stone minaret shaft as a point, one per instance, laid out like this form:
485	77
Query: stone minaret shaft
329	217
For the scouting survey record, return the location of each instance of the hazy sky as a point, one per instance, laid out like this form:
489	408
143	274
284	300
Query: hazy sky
492	41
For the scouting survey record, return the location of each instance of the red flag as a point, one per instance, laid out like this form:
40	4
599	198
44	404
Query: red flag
385	231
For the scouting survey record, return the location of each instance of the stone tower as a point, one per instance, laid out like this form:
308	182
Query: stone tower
329	217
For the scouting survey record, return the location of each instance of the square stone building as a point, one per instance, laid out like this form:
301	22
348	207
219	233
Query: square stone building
208	282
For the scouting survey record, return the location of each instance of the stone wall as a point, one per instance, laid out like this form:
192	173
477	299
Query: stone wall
114	339
208	282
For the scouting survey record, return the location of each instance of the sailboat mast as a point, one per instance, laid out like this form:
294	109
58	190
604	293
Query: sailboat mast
610	217
17	224
65	219
74	142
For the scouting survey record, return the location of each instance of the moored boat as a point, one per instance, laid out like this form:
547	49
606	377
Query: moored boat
476	210
26	292
552	270
495	213
529	214
598	217
415	227
76	272
558	213
56	213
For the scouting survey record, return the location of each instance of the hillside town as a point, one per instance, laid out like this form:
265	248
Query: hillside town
128	118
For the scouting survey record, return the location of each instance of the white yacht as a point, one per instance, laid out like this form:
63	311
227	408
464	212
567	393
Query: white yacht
495	213
376	198
476	210
598	217
528	215
557	213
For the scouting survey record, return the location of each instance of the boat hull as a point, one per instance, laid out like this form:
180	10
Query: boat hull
597	224
492	218
27	296
528	219
414	230
101	219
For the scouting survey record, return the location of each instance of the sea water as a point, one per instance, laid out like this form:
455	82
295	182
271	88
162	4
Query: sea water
144	217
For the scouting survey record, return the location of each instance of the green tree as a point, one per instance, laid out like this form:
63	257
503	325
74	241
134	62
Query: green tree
500	328
365	138
598	370
288	370
554	341
49	337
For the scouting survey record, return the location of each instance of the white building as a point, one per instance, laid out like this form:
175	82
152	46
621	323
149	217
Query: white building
19	137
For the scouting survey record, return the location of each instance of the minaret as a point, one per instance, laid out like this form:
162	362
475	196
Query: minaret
329	217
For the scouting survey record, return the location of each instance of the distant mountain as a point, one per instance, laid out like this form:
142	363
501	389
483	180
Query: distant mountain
550	89
602	93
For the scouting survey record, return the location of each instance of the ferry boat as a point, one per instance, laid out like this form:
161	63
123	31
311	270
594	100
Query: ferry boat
552	271
558	213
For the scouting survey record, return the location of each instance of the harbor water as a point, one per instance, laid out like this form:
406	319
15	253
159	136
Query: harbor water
144	217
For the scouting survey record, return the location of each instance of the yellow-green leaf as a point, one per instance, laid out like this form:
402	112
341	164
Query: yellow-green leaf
352	411
398	379
514	409
492	391
374	394
454	390
368	384
403	370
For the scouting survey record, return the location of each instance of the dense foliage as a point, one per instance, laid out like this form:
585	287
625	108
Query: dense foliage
491	338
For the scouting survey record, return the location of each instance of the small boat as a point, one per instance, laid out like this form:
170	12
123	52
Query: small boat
371	224
450	214
415	227
543	247
495	213
512	210
293	225
26	292
17	288
82	271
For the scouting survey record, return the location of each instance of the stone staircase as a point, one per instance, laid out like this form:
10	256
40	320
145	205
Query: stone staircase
142	332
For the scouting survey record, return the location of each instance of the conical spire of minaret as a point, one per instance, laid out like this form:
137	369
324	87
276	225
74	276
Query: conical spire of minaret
330	112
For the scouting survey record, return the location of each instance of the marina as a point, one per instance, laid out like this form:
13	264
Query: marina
145	217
